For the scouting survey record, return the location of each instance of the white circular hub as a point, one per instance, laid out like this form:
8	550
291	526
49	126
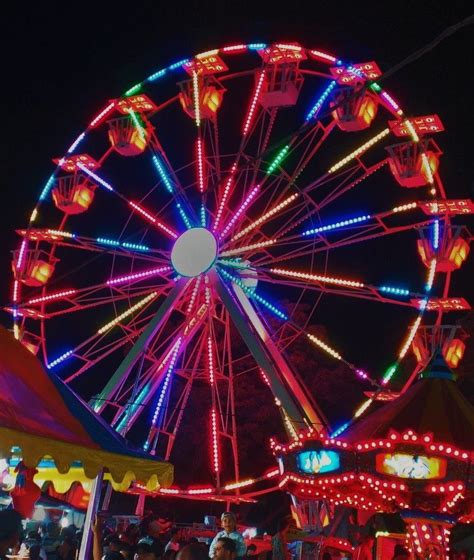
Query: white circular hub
194	252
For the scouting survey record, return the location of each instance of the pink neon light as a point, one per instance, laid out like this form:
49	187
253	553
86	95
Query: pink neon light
235	48
264	377
15	290
138	275
210	360
102	114
215	444
253	104
323	56
389	99
200	491
152	219
50	297
200	162
242	208
21	255
224	197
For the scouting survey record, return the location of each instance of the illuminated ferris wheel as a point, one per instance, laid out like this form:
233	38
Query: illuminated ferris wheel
163	245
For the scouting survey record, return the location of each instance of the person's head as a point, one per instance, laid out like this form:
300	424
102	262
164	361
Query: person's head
10	529
114	543
148	549
34	552
251	549
224	549
194	551
175	534
228	521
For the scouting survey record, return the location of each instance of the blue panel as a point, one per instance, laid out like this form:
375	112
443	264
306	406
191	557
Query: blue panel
317	462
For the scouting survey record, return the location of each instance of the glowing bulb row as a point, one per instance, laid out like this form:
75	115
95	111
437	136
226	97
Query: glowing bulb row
51	297
404	207
95	177
137	123
61	358
184	216
215	442
313	113
169	371
410	337
253	104
123	245
163	174
152	219
278	159
318	342
250	247
359	150
197	109
336	225
210	360
225	195
240	210
200	164
253	295
138	275
264	217
317	278
127	313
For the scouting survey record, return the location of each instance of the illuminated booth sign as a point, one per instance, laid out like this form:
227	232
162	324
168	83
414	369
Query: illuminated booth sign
405	465
317	462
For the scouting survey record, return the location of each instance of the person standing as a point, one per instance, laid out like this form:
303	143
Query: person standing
229	530
280	542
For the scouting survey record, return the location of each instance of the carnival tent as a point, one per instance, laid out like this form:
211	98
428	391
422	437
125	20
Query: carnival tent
43	417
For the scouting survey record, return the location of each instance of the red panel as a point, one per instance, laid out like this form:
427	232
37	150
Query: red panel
428	124
370	71
444	304
455	206
206	65
139	104
70	163
279	54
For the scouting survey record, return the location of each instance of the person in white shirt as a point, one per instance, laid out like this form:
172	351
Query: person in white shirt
229	530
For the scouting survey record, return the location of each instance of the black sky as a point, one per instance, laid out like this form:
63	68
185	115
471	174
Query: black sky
63	61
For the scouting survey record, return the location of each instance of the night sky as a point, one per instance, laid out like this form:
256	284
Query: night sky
62	62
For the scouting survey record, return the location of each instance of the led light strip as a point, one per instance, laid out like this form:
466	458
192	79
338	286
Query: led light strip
317	277
152	219
323	56
253	295
127	313
411	336
324	346
278	159
313	113
76	143
183	215
359	150
335	225
162	173
193	295
95	177
123	245
245	248
138	125
265	216
225	194
138	275
57	361
253	104
210	361
166	382
215	442
200	164
50	297
197	108
101	115
431	275
241	209
405	207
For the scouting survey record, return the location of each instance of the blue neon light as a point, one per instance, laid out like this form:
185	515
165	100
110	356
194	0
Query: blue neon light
96	178
58	360
124	245
203	216
183	215
394	291
319	103
340	224
341	429
47	187
162	172
178	64
436	234
256	46
317	462
253	295
156	75
76	142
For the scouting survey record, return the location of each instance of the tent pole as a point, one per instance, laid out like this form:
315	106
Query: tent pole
85	552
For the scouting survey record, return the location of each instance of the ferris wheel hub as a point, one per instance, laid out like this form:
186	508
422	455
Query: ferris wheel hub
194	252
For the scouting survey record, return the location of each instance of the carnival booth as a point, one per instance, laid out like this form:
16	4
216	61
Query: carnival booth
41	418
414	456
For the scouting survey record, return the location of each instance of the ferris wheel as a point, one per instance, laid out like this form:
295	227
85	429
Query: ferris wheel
184	230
